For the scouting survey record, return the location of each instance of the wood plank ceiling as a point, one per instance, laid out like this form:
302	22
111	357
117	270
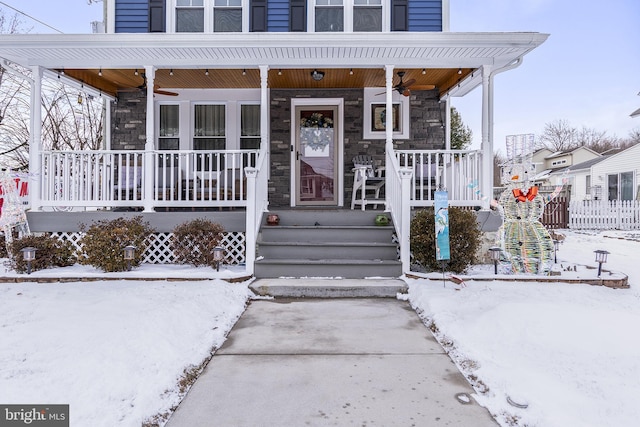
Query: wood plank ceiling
112	80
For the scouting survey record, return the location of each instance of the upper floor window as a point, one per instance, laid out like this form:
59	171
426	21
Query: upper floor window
189	16
350	15
197	16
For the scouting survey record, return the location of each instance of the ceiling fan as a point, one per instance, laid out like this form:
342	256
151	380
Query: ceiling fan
156	89
404	87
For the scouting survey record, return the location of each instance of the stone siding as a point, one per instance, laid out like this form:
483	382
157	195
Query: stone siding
129	121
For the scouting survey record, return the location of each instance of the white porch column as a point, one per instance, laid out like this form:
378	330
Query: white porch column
35	142
388	126
251	220
486	186
149	146
447	123
264	115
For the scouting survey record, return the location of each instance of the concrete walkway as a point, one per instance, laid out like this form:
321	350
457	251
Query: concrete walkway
330	362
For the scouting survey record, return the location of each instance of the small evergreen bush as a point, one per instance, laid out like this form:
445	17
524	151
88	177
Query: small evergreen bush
464	239
193	242
104	242
51	252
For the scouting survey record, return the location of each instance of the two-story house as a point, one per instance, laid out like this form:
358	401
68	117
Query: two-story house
240	107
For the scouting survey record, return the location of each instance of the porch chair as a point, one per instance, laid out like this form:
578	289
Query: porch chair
366	178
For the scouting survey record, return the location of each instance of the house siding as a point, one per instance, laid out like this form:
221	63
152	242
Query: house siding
132	16
625	161
425	15
278	16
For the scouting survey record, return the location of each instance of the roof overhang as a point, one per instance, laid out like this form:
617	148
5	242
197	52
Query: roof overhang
440	50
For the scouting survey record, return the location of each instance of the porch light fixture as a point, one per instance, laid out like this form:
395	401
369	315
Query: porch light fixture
351	71
459	70
80	98
171	72
601	258
206	73
218	256
129	255
280	72
100	72
29	255
424	71
244	71
317	75
495	257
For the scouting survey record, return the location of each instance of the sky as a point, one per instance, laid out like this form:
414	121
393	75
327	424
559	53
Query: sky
586	73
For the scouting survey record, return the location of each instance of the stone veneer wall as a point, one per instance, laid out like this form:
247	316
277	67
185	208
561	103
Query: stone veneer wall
426	133
129	121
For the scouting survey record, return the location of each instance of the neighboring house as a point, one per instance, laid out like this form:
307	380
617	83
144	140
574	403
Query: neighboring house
255	105
637	112
547	161
618	175
579	178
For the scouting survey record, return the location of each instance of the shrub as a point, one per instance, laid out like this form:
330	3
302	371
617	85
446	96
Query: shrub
193	242
104	243
464	239
51	252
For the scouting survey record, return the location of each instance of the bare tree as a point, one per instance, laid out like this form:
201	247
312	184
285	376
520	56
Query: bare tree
596	140
558	136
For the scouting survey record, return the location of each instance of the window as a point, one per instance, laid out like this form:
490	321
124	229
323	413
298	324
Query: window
169	135
189	16
329	15
249	127
620	186
367	15
588	185
209	127
227	16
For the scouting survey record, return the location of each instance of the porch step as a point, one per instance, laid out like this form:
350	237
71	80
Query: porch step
327	243
329	288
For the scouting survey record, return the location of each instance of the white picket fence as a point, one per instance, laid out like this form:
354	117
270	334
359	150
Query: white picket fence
604	215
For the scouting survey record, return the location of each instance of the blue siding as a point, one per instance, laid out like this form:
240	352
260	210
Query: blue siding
278	15
425	15
132	16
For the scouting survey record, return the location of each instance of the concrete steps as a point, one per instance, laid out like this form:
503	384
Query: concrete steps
329	288
327	243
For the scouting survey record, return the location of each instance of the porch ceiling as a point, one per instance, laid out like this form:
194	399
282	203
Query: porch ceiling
226	55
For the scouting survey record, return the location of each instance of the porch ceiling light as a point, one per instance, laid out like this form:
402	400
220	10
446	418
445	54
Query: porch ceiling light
171	72
206	73
424	71
317	75
244	71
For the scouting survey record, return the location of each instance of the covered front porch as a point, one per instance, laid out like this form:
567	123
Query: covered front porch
150	169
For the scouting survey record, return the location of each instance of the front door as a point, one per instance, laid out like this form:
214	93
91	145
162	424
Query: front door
317	155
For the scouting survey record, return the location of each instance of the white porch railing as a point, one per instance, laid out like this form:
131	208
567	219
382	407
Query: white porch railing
257	204
413	176
457	171
111	179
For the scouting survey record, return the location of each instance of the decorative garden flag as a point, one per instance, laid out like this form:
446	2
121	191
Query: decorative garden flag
441	206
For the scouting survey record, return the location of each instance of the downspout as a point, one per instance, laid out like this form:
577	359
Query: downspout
487	128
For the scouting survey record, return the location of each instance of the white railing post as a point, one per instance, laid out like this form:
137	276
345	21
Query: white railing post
250	220
405	212
36	162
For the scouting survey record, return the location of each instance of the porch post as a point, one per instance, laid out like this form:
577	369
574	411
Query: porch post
388	126
251	220
447	123
486	186
149	146
35	142
264	116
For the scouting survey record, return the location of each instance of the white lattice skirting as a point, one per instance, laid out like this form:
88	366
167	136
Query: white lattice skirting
159	249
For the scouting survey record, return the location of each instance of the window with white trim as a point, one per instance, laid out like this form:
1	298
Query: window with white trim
367	15
349	15
209	127
198	16
249	126
189	16
169	131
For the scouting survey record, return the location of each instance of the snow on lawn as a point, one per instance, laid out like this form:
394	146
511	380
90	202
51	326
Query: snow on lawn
571	352
113	350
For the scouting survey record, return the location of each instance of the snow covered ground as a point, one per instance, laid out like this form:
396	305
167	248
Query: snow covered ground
115	350
570	352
